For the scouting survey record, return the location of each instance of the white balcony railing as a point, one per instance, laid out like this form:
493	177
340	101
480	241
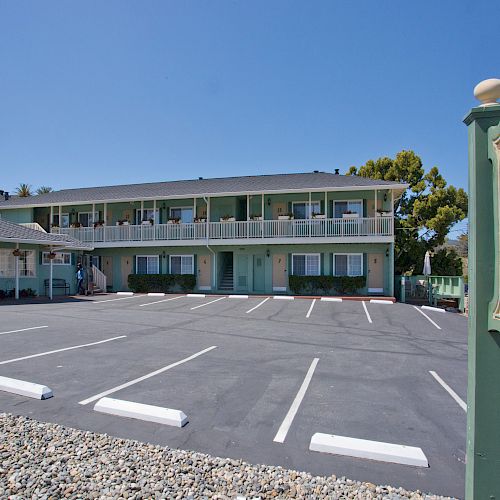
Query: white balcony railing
303	228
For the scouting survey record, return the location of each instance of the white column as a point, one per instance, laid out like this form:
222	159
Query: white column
262	222
392	217
248	207
51	216
310	213
60	217
154	213
208	222
50	275
376	192
326	213
142	210
17	275
93	232
377	224
194	209
105	213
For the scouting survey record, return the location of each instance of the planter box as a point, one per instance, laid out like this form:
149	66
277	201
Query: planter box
350	216
319	216
384	214
146	223
256	218
230	219
123	223
200	221
173	222
284	217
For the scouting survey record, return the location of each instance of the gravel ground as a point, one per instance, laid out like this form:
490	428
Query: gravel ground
41	460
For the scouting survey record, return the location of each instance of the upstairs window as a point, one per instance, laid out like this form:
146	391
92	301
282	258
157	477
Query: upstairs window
181	264
304	209
306	264
184	214
87	219
350	264
348	206
148	214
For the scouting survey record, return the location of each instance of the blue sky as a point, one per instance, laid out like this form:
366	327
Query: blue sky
96	93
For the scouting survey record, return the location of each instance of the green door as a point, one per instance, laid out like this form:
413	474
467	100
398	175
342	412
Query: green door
259	276
242	273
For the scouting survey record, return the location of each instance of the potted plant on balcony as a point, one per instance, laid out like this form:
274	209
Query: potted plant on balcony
98	223
75	225
174	220
288	216
350	215
383	213
228	218
316	215
54	226
122	222
256	217
199	220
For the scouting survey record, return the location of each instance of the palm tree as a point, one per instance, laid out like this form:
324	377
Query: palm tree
24	190
44	190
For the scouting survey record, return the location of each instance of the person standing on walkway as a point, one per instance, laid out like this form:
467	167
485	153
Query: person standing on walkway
80	277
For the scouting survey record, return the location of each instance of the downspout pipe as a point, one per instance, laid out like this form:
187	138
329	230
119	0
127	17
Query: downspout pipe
214	274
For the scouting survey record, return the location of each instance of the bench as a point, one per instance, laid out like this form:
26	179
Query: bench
57	283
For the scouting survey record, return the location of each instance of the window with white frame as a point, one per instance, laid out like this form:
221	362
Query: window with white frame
146	215
64	222
306	264
27	266
147	264
61	259
348	264
184	214
304	209
348	206
182	264
87	219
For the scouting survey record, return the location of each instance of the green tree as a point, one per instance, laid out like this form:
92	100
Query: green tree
425	212
24	190
44	190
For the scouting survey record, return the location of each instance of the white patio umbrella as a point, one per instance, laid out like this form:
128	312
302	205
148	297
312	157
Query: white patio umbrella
427	264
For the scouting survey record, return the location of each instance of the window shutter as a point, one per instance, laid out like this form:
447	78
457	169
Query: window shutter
365	209
195	264
73	259
289	265
322	264
290	207
40	257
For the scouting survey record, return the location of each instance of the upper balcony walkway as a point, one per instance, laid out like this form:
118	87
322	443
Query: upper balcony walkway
339	230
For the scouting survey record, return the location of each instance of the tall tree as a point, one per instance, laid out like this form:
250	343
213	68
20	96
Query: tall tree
24	190
425	212
44	190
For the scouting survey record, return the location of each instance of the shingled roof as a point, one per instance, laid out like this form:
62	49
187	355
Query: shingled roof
16	233
255	184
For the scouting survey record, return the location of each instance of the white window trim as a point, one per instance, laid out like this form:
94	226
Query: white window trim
306	254
185	255
349	201
96	213
11	273
306	203
62	217
156	215
177	208
53	262
148	256
348	255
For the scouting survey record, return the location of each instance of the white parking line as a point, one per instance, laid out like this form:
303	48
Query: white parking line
287	422
61	350
367	313
23	330
258	305
112	300
311	308
159	301
144	377
207	303
423	314
450	391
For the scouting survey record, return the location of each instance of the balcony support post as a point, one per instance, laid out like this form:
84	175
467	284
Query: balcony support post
51	215
60	217
262	222
105	220
93	222
310	214
248	216
154	220
326	213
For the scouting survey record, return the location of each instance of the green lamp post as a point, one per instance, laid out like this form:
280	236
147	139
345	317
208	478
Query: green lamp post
483	394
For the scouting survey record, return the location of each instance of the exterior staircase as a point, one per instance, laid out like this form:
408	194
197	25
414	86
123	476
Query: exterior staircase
226	281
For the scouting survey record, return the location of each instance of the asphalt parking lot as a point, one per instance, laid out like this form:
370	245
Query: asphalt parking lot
256	377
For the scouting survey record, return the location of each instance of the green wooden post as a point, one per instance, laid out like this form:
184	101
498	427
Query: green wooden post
483	415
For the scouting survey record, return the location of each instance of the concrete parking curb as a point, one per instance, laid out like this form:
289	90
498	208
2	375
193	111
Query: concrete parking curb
156	294
430	308
331	299
372	450
23	388
139	411
200	295
381	301
124	293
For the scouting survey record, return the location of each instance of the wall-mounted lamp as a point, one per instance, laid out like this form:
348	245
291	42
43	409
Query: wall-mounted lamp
164	254
268	253
73	211
163	206
269	202
387	253
385	197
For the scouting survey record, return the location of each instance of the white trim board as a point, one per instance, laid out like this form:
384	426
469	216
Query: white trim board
371	450
139	411
23	388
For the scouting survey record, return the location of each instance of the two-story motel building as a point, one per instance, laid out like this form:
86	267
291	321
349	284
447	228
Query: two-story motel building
236	234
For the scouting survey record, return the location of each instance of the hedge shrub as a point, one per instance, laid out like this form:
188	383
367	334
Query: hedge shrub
144	283
326	285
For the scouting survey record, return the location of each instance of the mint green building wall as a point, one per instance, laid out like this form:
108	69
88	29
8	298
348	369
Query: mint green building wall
18	216
66	272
